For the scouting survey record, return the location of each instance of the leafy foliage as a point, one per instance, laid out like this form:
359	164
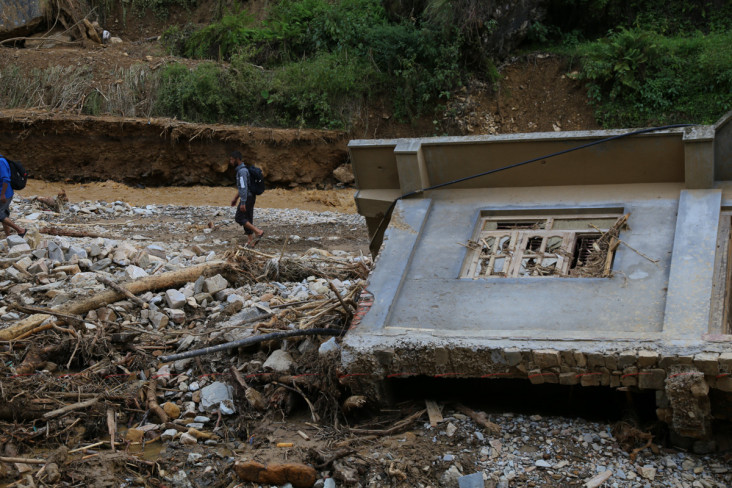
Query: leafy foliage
639	78
200	95
313	53
681	17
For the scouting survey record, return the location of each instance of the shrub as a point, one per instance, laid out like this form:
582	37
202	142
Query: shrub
199	95
316	53
319	91
641	78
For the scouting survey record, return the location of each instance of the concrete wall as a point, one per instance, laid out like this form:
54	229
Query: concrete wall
386	169
662	290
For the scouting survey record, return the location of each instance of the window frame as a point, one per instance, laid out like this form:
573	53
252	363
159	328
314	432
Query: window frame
517	251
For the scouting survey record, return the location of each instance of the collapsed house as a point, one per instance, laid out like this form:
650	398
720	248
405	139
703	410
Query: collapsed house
594	258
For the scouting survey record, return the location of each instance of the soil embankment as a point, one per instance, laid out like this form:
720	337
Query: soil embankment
163	152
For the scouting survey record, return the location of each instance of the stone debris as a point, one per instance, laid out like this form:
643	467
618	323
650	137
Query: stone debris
221	414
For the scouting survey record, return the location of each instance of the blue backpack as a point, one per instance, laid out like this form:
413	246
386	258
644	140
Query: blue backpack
18	174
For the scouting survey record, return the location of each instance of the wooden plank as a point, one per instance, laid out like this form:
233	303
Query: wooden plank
434	413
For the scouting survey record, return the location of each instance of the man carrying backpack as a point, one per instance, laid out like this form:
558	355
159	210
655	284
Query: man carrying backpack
6	196
247	196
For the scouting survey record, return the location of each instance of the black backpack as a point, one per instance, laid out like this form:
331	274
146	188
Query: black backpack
256	180
18	174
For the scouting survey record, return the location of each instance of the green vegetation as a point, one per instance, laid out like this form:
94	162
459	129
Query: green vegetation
646	62
312	63
316	63
638	78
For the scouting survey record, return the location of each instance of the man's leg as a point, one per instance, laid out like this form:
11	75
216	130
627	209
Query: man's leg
8	224
255	232
5	218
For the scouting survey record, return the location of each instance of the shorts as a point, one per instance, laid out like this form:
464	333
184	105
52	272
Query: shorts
242	218
5	209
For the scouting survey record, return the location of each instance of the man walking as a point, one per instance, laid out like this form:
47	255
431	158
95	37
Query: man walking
6	196
245	211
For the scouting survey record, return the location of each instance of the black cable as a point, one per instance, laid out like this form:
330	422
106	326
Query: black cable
387	215
249	341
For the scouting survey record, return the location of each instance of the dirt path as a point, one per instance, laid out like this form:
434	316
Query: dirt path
340	200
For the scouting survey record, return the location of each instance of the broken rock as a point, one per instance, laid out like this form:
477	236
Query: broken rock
299	475
279	361
215	393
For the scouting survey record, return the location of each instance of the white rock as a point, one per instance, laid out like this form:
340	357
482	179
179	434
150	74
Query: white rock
279	360
329	347
215	393
648	472
187	439
215	284
135	272
15	240
168	435
175	299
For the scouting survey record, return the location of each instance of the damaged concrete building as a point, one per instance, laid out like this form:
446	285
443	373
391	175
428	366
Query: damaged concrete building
597	258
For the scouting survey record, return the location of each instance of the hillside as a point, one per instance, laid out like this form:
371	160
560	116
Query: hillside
533	95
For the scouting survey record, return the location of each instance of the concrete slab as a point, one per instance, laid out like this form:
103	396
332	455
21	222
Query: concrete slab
652	319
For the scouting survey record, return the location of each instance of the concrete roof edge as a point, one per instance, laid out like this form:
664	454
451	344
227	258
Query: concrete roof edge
537	136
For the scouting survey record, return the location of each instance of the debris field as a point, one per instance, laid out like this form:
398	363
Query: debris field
144	346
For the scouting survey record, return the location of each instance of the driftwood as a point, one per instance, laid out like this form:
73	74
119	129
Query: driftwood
247	341
57	203
122	290
4	459
70	408
171	279
36	358
74	319
152	402
57	231
402	424
112	427
479	418
255	399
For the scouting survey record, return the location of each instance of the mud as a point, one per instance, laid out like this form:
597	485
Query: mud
163	152
336	200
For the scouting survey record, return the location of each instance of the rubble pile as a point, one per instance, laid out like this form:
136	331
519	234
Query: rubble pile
142	346
90	306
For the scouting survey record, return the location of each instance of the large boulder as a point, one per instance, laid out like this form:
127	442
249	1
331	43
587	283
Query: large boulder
20	18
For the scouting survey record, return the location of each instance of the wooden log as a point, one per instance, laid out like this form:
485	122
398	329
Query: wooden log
5	459
152	401
70	408
112	427
479	418
433	412
171	279
299	475
57	231
397	427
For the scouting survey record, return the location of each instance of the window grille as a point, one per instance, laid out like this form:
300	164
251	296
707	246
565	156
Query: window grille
564	246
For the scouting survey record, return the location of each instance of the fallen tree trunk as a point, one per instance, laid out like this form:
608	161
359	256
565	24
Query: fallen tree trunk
170	279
